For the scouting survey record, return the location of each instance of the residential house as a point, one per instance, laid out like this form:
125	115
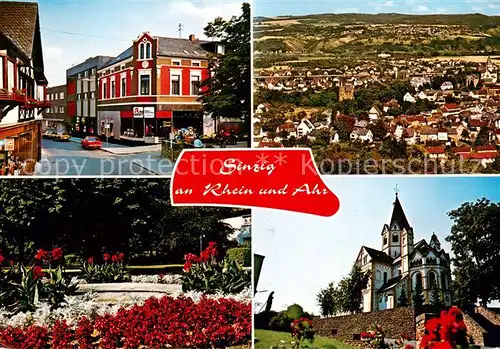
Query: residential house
446	86
305	127
442	134
428	134
409	98
55	118
22	82
362	134
374	113
436	152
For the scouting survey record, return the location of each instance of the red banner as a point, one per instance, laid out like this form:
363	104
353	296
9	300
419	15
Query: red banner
285	179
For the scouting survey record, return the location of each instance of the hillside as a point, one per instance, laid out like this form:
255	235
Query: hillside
364	35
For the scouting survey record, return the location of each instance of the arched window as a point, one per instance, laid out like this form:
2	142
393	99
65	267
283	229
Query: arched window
417	280
148	50
385	277
141	51
432	279
378	275
443	280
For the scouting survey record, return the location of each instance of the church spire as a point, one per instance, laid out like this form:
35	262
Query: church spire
398	215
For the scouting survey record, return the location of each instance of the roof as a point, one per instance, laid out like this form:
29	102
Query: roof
181	48
121	57
486	148
18	24
434	238
378	256
93	62
398	215
477	156
435	150
458	150
390	283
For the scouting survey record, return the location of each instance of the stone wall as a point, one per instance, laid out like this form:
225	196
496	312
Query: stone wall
395	322
490	315
475	330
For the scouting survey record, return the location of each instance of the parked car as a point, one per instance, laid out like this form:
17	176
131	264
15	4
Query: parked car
49	134
63	137
91	142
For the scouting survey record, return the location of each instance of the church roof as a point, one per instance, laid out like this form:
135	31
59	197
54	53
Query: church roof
390	283
398	215
434	238
378	256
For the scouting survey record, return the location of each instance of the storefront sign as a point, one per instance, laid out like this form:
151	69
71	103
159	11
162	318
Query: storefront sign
138	112
9	144
149	112
167	123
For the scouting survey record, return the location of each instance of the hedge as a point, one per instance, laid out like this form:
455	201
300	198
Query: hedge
242	255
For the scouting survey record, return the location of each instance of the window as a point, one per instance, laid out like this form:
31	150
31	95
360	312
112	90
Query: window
148	50
48	95
195	85
176	85
432	279
93	71
195	64
122	67
61	95
141	51
86	73
176	62
104	90
61	110
124	87
385	240
221	49
113	89
395	238
92	95
385	277
365	259
145	85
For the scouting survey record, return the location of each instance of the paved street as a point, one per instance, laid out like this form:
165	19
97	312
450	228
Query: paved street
69	159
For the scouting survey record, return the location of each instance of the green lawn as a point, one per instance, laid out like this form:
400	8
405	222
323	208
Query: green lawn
266	339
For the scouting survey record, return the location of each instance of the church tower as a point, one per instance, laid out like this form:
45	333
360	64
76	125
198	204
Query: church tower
393	234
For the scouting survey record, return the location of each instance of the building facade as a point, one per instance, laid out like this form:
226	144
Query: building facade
81	105
152	88
402	263
22	82
55	117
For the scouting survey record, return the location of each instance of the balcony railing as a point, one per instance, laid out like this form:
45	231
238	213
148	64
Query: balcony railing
17	96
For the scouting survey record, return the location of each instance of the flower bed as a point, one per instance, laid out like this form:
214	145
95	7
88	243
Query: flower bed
189	320
171	279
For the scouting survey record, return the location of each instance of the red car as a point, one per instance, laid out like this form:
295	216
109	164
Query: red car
91	142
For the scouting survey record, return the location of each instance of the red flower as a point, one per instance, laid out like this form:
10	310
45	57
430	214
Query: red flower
2	258
187	266
409	346
114	258
42	255
37	272
192	258
12	263
57	253
105	257
90	260
121	256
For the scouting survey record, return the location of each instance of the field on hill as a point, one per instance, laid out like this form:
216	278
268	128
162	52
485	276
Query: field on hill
364	36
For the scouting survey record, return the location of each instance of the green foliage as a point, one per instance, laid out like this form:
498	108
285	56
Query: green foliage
105	273
417	296
436	298
134	216
227	277
347	296
280	322
294	312
25	293
403	298
229	88
475	242
58	286
241	255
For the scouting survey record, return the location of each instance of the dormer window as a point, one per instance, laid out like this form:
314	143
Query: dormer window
145	49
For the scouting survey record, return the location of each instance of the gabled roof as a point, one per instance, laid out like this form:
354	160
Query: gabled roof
378	256
398	216
18	24
390	284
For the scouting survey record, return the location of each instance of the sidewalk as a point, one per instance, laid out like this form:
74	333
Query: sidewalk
124	150
154	163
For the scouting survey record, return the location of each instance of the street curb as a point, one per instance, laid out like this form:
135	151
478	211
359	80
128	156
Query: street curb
137	163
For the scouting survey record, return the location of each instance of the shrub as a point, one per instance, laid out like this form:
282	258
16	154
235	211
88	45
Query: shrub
112	270
283	320
203	273
241	255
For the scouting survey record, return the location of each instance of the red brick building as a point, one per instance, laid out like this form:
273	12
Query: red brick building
153	87
22	81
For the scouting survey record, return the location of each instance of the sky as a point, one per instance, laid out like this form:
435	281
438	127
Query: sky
269	8
304	253
73	31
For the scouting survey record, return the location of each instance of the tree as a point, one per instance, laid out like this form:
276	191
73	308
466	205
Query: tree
483	137
475	242
227	92
403	298
378	129
351	289
328	300
417	296
436	299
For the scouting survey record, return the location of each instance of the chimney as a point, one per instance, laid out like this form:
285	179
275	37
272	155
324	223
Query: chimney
192	38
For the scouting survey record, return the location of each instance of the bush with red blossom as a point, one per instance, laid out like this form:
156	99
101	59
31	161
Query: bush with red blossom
158	323
302	331
205	274
112	269
446	331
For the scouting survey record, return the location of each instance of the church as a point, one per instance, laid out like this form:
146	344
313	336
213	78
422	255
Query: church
402	263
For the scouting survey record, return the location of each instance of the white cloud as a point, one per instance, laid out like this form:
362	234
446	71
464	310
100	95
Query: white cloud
493	6
442	10
422	8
